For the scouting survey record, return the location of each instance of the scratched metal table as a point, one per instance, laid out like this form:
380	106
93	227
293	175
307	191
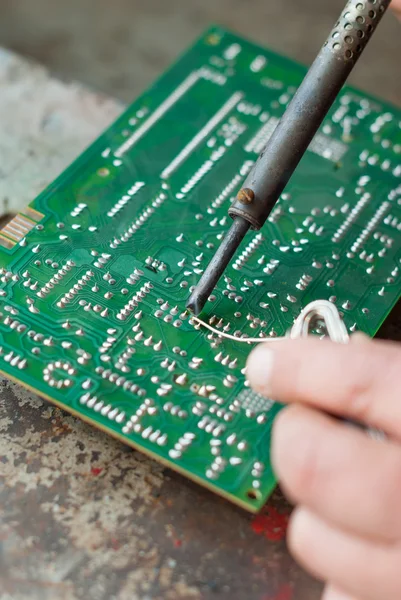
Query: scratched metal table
83	516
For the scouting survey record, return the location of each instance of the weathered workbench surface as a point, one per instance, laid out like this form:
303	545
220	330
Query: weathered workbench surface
83	516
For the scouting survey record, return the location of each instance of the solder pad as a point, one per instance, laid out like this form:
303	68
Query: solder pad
95	273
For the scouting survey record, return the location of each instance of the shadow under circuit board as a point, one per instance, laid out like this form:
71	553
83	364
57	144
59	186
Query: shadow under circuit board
96	271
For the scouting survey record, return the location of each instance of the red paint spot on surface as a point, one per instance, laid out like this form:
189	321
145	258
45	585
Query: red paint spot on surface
177	543
271	524
96	470
284	593
115	544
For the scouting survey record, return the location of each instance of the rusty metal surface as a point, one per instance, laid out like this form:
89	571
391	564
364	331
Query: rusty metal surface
81	515
44	124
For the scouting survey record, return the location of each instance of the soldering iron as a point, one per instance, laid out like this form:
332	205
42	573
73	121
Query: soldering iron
292	136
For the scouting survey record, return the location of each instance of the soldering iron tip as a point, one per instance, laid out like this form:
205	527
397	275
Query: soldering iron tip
193	304
217	265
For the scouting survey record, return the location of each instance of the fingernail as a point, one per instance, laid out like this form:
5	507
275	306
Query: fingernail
260	368
334	594
360	338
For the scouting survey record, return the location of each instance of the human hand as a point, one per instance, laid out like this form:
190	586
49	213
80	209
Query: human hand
396	6
346	528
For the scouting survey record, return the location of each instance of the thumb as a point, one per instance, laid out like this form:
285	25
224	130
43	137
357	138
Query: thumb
358	380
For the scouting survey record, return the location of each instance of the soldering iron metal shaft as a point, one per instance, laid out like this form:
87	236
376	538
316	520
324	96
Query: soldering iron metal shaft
294	133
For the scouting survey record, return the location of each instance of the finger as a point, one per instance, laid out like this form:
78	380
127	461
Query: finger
359	380
334	593
396	6
339	472
367	570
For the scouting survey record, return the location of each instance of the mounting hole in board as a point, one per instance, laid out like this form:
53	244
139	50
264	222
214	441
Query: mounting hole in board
213	39
253	494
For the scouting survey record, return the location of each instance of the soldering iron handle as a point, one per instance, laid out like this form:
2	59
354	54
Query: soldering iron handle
307	109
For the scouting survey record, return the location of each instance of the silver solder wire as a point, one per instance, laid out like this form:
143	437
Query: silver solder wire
245	340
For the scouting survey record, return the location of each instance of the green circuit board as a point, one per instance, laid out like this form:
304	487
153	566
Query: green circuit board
96	271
